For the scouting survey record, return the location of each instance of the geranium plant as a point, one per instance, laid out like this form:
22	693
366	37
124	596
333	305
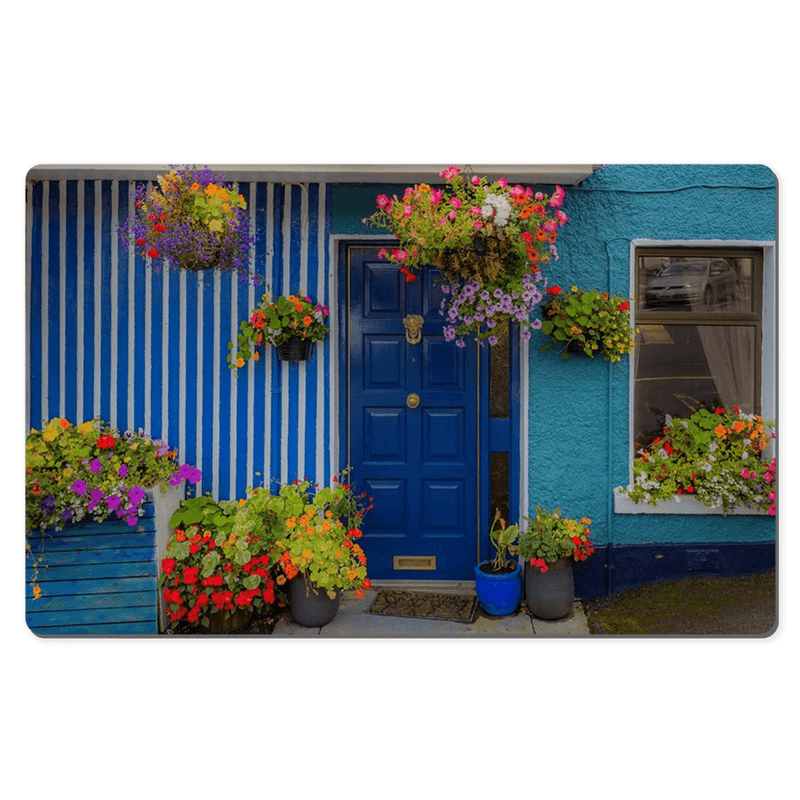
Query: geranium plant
275	322
321	526
587	322
91	471
215	562
488	239
550	537
716	456
192	218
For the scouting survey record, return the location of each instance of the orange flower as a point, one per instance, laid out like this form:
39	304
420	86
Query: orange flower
64	423
180	536
720	430
738	426
307	320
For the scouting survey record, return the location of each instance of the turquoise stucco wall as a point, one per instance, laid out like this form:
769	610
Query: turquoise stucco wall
578	421
578	409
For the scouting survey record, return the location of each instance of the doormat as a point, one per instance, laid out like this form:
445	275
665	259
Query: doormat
424	605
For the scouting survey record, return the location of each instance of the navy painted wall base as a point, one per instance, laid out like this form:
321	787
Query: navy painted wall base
616	567
98	578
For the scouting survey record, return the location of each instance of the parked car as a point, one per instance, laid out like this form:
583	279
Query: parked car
702	283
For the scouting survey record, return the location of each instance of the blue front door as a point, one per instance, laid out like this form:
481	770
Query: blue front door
412	421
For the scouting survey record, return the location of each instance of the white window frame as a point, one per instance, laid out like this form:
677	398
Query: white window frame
769	310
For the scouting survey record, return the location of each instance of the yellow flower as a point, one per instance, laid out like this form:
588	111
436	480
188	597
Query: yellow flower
256	356
241	501
291	522
307	554
212	189
85	427
50	434
37	592
239	362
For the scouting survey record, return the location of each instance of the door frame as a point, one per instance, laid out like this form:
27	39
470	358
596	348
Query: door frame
487	430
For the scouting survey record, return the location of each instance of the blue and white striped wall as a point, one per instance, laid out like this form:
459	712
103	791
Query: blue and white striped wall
109	337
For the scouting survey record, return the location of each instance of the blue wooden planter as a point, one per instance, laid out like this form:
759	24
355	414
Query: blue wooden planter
97	578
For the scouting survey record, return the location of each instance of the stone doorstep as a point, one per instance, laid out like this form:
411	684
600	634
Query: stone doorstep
354	619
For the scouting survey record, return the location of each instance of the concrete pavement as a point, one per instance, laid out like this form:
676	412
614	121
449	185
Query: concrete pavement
355	621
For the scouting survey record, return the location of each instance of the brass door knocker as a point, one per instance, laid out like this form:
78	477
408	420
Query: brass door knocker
413	324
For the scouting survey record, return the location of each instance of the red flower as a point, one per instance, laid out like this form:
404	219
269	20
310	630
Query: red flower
152	253
190	575
720	411
410	276
212	580
193	548
554	290
105	442
167	565
159	228
141	242
623	306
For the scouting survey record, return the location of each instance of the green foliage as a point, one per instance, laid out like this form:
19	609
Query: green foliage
717	457
551	537
588	322
502	539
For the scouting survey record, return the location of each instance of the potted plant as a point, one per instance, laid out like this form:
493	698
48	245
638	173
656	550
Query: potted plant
320	556
549	548
488	239
88	473
587	322
716	456
498	583
291	324
194	220
218	566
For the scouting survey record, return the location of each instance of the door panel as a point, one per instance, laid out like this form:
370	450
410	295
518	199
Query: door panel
418	464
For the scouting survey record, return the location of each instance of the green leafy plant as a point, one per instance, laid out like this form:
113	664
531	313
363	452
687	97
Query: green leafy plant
587	322
275	322
318	541
551	537
220	558
489	241
503	538
717	457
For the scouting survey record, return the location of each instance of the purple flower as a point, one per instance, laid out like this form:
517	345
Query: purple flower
96	466
113	500
123	471
67	514
136	495
493	340
175	479
131	521
79	486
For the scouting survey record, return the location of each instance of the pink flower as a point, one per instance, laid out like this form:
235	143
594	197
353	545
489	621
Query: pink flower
436	197
383	252
745	473
557	197
383	200
400	255
408	192
477	224
407	211
475	180
562	217
772	509
537	196
449	173
475	209
502	182
452	215
516	191
550	225
455	202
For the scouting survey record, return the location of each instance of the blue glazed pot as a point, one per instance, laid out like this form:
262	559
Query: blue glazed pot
499	594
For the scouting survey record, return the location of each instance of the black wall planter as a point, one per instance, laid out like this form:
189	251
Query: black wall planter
295	349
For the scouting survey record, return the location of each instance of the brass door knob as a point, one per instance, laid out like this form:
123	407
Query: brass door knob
412	401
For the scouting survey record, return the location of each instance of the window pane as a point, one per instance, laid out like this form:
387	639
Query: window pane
679	284
680	368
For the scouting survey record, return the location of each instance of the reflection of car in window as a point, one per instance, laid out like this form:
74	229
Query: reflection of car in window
704	282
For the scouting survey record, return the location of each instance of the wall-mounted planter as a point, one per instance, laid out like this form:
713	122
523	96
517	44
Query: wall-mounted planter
295	349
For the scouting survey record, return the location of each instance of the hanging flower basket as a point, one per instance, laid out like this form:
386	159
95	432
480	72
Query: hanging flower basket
291	324
192	220
487	238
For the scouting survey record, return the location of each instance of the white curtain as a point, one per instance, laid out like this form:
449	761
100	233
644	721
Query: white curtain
730	352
